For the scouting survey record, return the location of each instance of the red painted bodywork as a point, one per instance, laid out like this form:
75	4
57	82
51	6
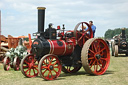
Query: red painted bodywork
66	49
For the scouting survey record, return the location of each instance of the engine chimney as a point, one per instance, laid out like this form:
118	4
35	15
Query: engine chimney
41	19
123	32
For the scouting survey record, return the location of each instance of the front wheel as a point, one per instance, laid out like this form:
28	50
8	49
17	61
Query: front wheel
6	63
95	56
29	66
49	67
116	51
16	63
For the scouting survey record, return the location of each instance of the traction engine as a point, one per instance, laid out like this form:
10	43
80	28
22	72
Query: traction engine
13	57
120	44
57	49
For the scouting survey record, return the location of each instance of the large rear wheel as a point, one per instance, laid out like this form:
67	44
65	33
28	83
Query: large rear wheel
82	33
95	56
49	67
29	66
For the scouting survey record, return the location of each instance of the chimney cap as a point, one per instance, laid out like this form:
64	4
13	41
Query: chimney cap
41	8
123	28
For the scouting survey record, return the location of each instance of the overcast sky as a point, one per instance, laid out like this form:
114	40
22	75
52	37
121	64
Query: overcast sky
19	17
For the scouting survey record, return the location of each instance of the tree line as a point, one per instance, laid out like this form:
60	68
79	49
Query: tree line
110	33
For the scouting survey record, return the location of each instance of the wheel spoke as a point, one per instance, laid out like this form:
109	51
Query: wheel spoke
69	69
80	38
54	71
99	64
34	71
90	58
29	71
45	67
55	63
101	50
83	34
49	61
52	59
89	54
95	47
51	74
90	62
79	32
98	46
104	59
93	63
48	74
35	66
44	71
87	37
91	51
26	62
44	63
25	66
96	65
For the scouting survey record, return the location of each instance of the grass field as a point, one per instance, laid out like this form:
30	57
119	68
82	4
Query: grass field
117	74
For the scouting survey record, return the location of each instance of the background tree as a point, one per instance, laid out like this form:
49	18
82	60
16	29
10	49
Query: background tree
110	33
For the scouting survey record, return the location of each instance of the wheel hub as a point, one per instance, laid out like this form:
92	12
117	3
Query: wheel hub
51	67
98	56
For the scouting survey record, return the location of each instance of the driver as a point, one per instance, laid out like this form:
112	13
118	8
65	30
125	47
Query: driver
93	27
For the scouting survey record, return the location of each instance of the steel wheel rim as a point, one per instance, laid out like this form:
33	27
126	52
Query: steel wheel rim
29	66
49	67
6	63
116	51
98	57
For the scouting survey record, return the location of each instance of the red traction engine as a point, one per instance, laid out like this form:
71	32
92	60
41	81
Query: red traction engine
74	49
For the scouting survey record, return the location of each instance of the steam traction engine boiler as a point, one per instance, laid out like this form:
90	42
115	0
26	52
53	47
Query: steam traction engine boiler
73	50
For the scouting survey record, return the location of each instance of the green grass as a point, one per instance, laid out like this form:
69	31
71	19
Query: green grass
117	74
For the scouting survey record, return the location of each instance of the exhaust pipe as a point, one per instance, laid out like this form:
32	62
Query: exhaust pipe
123	32
41	20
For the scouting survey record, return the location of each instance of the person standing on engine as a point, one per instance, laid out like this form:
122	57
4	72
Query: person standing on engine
93	27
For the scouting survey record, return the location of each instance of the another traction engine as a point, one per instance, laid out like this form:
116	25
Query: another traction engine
13	57
74	49
120	44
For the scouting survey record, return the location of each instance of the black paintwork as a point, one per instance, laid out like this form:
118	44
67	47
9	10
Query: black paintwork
72	60
40	49
41	19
